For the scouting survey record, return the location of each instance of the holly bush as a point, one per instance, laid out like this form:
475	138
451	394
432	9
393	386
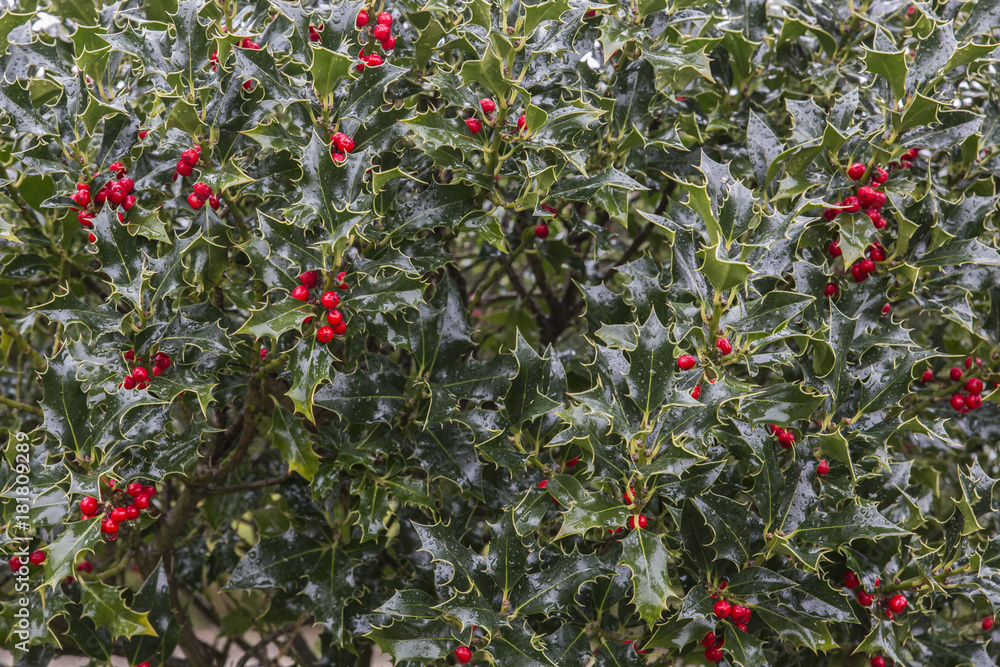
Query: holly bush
497	332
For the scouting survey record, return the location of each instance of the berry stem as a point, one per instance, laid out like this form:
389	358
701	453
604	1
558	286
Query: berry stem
918	582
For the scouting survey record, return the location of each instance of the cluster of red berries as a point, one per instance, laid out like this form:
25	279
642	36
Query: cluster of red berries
140	377
859	270
892	605
785	438
117	191
381	32
973	386
189	158
737	613
868	198
713	646
341	144
336	326
200	193
115	513
35	558
463	654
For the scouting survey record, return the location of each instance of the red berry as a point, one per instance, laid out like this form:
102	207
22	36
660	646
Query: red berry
928	376
696	392
139	374
384	18
864	599
149	490
134	489
360	66
487	105
851	204
830	289
389	43
202	190
640	521
822	467
880	176
314	36
183	168
346	144
195	202
878	200
629	496
339	157
835	250
885	309
248	85
722	609
742	626
867	265
878	661
85	566
381	32
741	614
713	654
116	194
374	60
213	201
973	402
543	484
856	171
143	133
362	20
129	202
866	195
127	183
109	527
142	502
131	512
324	335
686	362
82	197
37	557
309	278
572	462
117	167
897	603
974	386
474	125
15	564
143	664
520	122
190	157
724	346
786	439
334	317
330	300
340	278
958	402
859	273
119	515
851	580
709	639
301	292
987	624
130	355
128	382
463	654
541	231
263	352
912	154
92	238
968	362
955	374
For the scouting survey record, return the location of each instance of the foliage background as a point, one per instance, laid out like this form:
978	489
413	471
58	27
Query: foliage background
386	486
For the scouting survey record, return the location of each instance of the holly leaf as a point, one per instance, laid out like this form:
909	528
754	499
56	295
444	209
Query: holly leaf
294	442
103	605
648	559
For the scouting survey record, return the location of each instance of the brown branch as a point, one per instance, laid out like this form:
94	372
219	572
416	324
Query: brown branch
259	484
